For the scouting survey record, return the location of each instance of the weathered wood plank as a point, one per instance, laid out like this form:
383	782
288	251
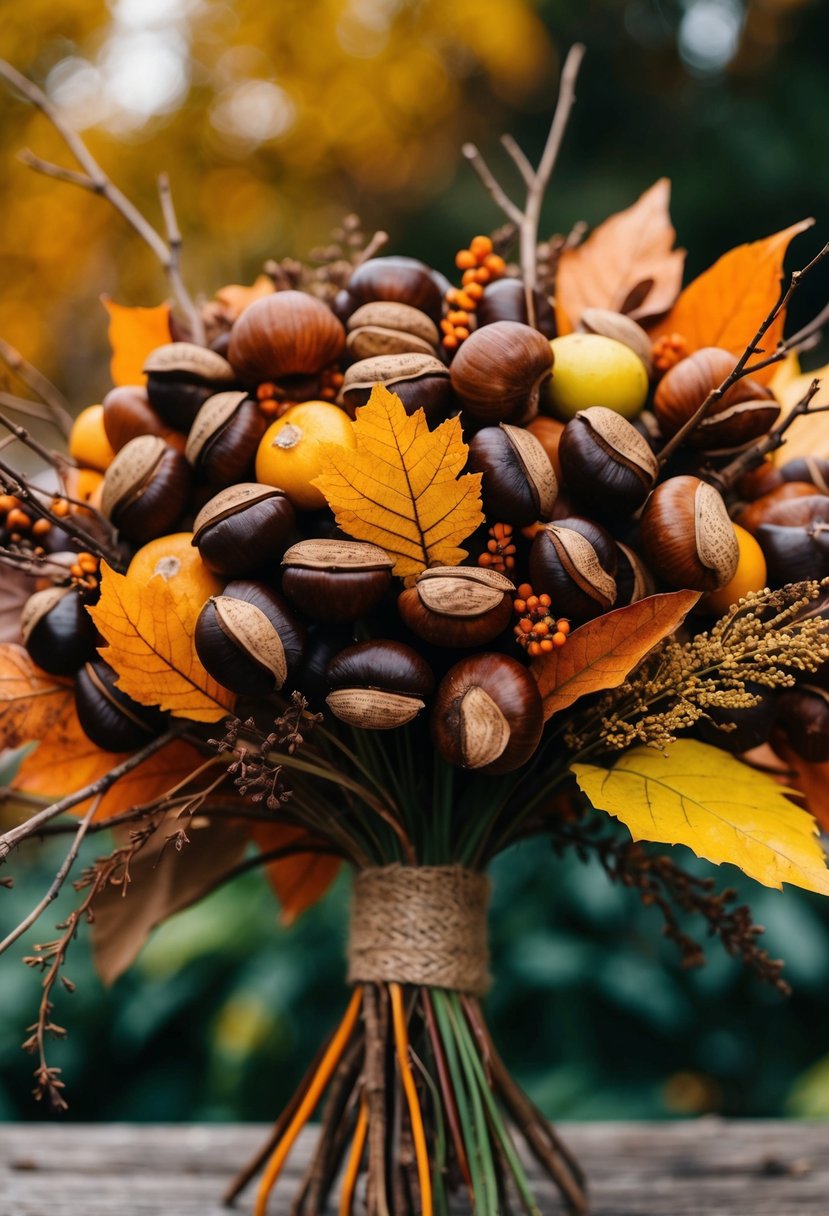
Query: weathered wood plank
707	1167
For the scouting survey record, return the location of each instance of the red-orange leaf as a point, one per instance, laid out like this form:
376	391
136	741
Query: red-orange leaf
603	652
812	780
725	305
628	263
32	703
133	333
299	881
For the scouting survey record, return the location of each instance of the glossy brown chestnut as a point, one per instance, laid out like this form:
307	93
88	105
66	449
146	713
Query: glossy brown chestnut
111	719
498	372
420	381
799	512
387	327
633	579
146	489
794	553
746	411
487	714
335	580
378	685
804	718
243	529
457	606
814	469
393	278
687	538
289	333
248	639
518	483
223	439
180	378
505	300
574	562
607	464
57	630
128	414
758	511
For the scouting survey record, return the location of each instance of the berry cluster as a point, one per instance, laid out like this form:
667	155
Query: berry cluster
500	550
480	265
537	630
669	350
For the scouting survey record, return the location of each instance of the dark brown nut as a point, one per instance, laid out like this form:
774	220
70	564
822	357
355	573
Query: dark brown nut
109	718
688	540
386	327
814	469
335	580
248	639
457	605
57	630
498	372
799	512
420	381
128	414
793	554
607	465
757	512
620	327
487	714
746	411
803	715
323	642
245	528
224	437
146	489
289	333
741	730
401	279
505	300
180	378
574	562
378	685
518	483
633	579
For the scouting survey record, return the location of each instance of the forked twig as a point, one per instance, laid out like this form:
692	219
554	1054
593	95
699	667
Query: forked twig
57	407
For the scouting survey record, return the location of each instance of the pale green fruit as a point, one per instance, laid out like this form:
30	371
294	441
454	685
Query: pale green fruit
589	369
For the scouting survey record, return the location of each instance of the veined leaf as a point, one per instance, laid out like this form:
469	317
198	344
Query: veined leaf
133	333
32	703
707	799
400	487
603	652
149	627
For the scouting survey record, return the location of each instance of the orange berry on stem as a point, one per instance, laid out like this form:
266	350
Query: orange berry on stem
465	259
480	246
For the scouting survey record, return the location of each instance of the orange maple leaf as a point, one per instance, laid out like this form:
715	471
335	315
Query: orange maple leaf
33	704
133	333
299	881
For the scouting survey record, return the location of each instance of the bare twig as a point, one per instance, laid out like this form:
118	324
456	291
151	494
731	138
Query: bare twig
724	478
22	405
519	158
168	210
51	396
377	242
13	483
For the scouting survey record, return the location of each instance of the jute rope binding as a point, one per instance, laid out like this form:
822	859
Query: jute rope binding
420	925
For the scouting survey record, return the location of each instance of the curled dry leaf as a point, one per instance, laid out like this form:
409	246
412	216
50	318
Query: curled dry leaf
603	652
133	333
299	881
708	800
231	301
149	628
401	488
627	264
725	305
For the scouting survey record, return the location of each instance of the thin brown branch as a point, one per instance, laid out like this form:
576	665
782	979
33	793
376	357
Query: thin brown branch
377	242
727	477
13	483
194	317
22	405
519	158
492	185
51	396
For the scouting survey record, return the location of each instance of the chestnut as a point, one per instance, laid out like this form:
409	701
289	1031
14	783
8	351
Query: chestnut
420	381
814	469
243	529
498	372
518	485
633	579
487	714
745	412
396	278
57	630
180	378
248	639
146	489
387	327
335	580
762	510
804	718
506	300
286	334
607	464
687	537
574	562
111	719
741	730
378	685
224	437
794	553
128	414
457	605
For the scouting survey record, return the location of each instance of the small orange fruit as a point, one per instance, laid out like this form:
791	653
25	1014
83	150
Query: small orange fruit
750	575
290	455
175	559
88	443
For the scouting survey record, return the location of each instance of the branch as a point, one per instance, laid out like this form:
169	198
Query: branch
519	158
728	476
491	184
50	395
174	269
22	405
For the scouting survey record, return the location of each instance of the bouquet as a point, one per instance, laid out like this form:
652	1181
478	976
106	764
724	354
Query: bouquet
364	565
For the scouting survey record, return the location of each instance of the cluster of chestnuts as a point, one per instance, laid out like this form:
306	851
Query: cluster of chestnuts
207	473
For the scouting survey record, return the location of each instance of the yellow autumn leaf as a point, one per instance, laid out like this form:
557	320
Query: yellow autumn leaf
400	487
33	704
133	333
149	627
708	800
809	435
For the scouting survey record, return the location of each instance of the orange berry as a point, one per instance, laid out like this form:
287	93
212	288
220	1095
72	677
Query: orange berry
482	276
461	333
495	264
60	507
520	606
525	590
475	290
464	301
563	626
558	639
7	503
544	601
485	559
458	317
41	526
546	645
480	247
525	626
18	520
450	342
468	277
446	325
532	602
541	629
465	259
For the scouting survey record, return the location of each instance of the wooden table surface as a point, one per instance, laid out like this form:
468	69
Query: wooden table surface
706	1167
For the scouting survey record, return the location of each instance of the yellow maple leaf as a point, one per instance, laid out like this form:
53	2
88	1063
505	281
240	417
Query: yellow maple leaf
400	487
708	800
133	333
149	627
809	435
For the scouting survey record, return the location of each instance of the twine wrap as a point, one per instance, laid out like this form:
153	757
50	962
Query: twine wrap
422	925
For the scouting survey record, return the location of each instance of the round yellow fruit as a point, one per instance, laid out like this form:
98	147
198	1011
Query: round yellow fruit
750	575
88	443
290	455
175	559
589	369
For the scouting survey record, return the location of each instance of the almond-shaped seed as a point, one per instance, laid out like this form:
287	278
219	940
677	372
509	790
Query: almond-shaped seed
622	439
212	416
37	606
130	470
410	365
337	555
582	564
373	340
248	626
390	314
484	730
717	543
537	466
228	501
372	708
186	357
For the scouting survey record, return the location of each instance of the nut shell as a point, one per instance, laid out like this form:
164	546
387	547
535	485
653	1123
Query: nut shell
687	537
574	562
180	377
109	718
128	414
745	412
386	327
498	372
487	714
57	630
146	489
402	279
335	580
224	437
505	300
420	381
289	333
248	639
518	480
244	528
457	606
378	685
606	463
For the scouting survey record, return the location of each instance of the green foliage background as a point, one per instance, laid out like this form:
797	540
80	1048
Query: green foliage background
224	1008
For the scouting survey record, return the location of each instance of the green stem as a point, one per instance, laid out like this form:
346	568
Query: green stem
459	1088
483	1147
